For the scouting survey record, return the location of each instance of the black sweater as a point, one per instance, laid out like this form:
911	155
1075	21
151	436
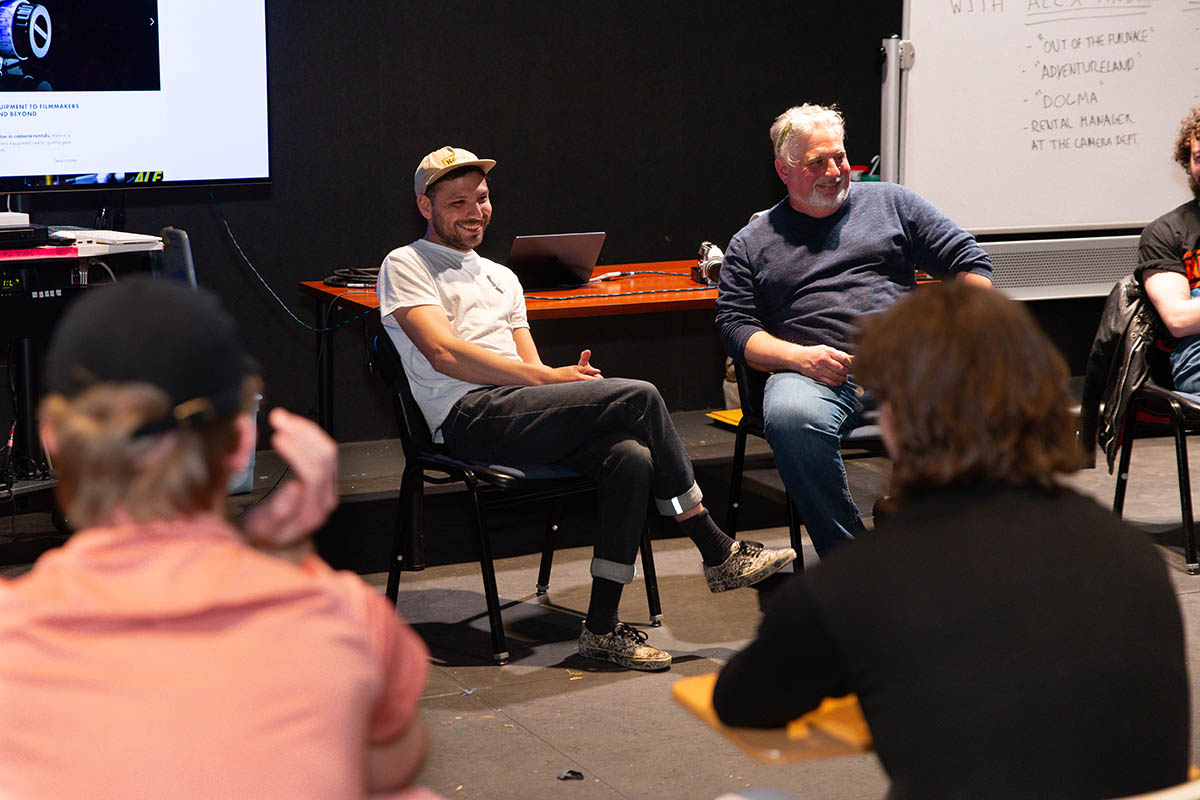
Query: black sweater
1003	642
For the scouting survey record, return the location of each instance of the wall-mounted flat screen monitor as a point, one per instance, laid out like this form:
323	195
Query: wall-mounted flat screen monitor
105	95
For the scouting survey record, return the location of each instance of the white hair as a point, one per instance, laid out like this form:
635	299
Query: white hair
800	121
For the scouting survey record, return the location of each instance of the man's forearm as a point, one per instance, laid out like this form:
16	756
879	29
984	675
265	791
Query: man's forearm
768	353
822	363
975	279
470	362
1181	316
1170	294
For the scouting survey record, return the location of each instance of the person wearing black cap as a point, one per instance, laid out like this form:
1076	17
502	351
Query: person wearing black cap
458	322
158	652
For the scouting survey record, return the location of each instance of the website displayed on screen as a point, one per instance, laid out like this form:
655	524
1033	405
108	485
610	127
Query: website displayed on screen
132	92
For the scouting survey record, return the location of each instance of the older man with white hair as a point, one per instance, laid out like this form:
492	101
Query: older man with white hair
795	280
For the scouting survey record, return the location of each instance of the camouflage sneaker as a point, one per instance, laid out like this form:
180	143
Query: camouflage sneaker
748	563
625	646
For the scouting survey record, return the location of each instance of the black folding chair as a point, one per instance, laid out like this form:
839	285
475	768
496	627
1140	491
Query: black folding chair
490	487
175	260
863	440
1154	403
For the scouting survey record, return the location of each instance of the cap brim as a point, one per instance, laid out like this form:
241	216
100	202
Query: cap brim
485	164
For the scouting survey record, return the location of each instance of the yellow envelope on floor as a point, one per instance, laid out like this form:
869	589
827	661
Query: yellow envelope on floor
726	416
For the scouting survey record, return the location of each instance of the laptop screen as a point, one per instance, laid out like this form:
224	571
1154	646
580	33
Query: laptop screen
554	261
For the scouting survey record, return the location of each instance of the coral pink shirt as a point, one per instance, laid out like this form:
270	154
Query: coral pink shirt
172	660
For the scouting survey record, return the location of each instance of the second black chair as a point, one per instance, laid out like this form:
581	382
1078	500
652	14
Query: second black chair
752	385
1182	413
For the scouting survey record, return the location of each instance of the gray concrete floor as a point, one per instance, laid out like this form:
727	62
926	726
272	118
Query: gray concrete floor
508	731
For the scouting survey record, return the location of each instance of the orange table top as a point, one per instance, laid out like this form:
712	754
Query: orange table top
632	294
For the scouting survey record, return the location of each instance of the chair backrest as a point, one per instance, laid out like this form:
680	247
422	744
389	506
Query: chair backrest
414	432
1159	358
175	261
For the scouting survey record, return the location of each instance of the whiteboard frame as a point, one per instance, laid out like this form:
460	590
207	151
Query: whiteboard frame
893	150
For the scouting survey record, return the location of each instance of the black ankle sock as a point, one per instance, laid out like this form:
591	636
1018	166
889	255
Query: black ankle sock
711	541
602	609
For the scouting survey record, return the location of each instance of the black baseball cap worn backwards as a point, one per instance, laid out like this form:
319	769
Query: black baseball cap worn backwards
155	332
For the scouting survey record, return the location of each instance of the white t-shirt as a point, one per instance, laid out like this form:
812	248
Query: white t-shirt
483	302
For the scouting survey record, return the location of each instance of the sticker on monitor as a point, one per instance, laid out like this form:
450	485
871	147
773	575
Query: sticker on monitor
116	180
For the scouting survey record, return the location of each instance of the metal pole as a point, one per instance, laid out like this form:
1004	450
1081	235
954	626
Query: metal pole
889	112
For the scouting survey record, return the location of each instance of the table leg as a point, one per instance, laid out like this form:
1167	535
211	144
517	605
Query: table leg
324	368
27	447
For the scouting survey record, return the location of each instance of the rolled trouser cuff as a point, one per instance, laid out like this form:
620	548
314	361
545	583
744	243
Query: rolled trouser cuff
613	570
680	503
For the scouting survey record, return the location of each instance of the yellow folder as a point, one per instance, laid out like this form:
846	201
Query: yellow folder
835	728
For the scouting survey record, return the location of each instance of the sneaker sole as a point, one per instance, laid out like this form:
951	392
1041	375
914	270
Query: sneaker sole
766	571
625	661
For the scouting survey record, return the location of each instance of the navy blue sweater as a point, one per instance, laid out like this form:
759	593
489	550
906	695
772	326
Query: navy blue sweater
807	280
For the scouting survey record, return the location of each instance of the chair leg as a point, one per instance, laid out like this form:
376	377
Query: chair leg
650	576
735	482
488	568
543	581
1123	462
408	540
794	523
1185	493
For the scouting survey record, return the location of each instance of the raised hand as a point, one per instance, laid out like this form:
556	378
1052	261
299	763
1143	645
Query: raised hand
584	367
297	509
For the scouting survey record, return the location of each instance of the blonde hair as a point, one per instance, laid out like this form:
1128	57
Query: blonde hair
800	121
102	465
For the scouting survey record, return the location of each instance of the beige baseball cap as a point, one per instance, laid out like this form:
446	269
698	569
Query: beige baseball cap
439	162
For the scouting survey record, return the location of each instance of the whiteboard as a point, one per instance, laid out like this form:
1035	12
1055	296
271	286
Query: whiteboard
1043	115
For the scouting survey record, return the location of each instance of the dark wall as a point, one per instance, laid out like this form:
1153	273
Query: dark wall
645	120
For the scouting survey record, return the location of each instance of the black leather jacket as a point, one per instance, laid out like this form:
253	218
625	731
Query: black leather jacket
1118	364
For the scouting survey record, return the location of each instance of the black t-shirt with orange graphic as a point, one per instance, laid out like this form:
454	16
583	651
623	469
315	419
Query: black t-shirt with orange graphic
1172	242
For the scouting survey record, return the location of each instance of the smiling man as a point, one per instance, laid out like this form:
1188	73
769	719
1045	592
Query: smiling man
458	321
794	282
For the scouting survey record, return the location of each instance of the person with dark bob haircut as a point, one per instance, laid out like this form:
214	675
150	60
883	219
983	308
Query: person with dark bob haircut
1005	636
989	405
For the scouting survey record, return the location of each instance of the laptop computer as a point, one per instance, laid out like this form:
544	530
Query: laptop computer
554	261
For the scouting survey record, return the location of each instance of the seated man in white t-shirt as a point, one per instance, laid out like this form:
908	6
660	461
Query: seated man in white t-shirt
458	321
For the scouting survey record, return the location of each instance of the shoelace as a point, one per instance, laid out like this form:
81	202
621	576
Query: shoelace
750	548
624	631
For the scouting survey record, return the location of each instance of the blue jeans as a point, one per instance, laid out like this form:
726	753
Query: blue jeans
804	421
1185	362
616	431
